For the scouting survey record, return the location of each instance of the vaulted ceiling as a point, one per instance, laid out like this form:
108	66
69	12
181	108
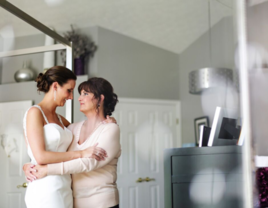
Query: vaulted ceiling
169	24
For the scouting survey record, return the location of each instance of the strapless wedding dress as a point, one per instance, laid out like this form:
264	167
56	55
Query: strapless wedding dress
51	191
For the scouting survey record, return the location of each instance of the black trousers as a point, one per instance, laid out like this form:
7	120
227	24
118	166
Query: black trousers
116	206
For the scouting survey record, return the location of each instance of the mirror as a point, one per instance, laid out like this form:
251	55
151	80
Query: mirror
146	49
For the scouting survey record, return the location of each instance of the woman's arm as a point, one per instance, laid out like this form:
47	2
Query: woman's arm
109	139
29	169
35	135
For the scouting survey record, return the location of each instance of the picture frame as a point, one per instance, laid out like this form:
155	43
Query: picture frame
198	122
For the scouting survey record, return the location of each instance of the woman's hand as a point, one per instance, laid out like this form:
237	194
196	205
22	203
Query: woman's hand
28	169
94	152
40	171
110	120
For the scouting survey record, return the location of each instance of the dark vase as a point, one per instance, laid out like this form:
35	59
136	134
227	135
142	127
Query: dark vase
79	66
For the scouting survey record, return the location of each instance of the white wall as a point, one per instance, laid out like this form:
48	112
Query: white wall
137	69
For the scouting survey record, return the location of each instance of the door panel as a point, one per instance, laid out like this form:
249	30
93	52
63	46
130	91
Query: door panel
12	153
147	128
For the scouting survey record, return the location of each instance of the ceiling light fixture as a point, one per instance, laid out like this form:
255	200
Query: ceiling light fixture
210	77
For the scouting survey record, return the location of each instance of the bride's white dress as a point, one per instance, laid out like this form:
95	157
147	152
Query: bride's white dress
51	191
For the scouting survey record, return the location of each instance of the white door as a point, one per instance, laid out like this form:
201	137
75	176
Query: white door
12	154
147	127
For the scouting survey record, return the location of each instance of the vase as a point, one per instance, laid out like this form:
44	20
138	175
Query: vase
24	74
79	66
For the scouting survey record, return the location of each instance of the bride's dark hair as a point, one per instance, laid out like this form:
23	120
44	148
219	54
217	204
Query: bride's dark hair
58	74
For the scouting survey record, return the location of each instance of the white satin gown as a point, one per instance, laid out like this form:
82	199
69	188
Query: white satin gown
51	191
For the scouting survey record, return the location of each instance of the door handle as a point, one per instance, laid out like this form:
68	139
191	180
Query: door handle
139	180
147	179
24	185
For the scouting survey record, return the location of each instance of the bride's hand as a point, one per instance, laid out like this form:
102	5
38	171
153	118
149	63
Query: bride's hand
40	171
94	152
110	120
28	169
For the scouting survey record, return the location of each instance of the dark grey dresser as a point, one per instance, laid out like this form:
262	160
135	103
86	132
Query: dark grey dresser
205	177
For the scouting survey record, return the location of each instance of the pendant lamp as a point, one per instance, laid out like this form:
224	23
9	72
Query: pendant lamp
209	77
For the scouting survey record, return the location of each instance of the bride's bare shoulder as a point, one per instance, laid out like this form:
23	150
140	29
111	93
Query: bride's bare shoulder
34	115
33	111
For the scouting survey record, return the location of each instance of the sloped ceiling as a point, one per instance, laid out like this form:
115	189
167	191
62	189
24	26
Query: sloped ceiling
170	24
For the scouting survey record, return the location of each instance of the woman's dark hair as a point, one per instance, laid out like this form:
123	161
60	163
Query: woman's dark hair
58	74
99	86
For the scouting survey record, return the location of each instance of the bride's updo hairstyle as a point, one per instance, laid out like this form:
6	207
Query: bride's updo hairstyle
99	86
58	74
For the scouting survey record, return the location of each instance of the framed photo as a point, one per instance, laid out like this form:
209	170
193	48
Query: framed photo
198	122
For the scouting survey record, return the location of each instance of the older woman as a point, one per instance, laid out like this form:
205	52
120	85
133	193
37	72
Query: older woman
94	182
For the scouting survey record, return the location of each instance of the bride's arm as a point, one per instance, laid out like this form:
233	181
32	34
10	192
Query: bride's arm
35	135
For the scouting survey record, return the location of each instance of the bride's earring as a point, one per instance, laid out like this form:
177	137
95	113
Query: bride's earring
55	95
